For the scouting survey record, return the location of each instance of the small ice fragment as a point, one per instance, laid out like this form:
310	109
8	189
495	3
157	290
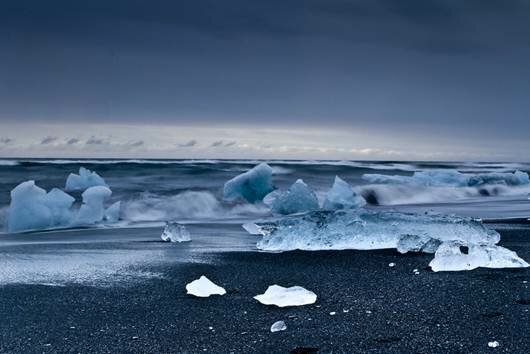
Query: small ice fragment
175	232
252	229
415	271
203	287
342	196
391	264
85	179
333	313
278	326
493	344
251	186
297	199
345	311
455	256
283	297
368	311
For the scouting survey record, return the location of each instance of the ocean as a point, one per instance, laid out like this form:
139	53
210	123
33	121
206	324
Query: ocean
190	191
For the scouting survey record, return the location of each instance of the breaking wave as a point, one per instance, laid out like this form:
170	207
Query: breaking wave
188	205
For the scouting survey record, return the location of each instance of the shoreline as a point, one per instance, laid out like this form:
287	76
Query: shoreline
389	309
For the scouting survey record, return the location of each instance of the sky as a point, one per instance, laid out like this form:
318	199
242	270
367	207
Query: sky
301	79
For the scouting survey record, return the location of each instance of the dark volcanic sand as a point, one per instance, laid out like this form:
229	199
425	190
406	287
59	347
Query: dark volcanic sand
390	310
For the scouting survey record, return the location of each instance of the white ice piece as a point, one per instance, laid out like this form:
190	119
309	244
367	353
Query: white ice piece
342	196
493	344
278	326
204	287
297	199
175	232
251	186
455	256
284	297
31	208
92	210
85	179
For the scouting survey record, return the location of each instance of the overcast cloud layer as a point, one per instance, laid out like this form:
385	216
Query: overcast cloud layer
413	74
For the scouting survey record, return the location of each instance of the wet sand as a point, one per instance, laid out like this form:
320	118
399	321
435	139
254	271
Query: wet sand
379	309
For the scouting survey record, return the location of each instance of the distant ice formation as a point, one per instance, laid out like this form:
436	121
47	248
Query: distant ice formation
32	208
204	287
452	178
342	196
297	199
278	326
251	186
85	179
284	297
366	230
175	232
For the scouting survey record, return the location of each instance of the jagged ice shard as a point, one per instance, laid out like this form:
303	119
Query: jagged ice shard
251	186
365	230
342	196
85	179
297	199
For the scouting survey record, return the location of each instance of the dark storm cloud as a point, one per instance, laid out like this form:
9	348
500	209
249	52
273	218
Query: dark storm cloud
190	143
136	143
72	141
452	67
230	143
6	141
48	140
95	141
217	143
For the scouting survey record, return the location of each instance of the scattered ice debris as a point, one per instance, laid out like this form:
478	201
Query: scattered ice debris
32	208
251	186
112	214
391	265
297	199
345	310
415	271
278	326
92	210
366	229
368	311
85	179
342	196
203	287
333	313
493	344
455	256
283	297
175	232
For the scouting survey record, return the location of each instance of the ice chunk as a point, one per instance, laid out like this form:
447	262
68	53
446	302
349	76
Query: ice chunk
278	326
417	243
342	196
251	186
32	208
297	199
112	214
203	287
85	179
283	297
493	344
92	210
367	229
455	256
175	232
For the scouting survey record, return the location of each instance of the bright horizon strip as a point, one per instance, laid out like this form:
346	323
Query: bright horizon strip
59	140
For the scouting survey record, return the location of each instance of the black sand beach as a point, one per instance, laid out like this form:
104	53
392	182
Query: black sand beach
379	309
